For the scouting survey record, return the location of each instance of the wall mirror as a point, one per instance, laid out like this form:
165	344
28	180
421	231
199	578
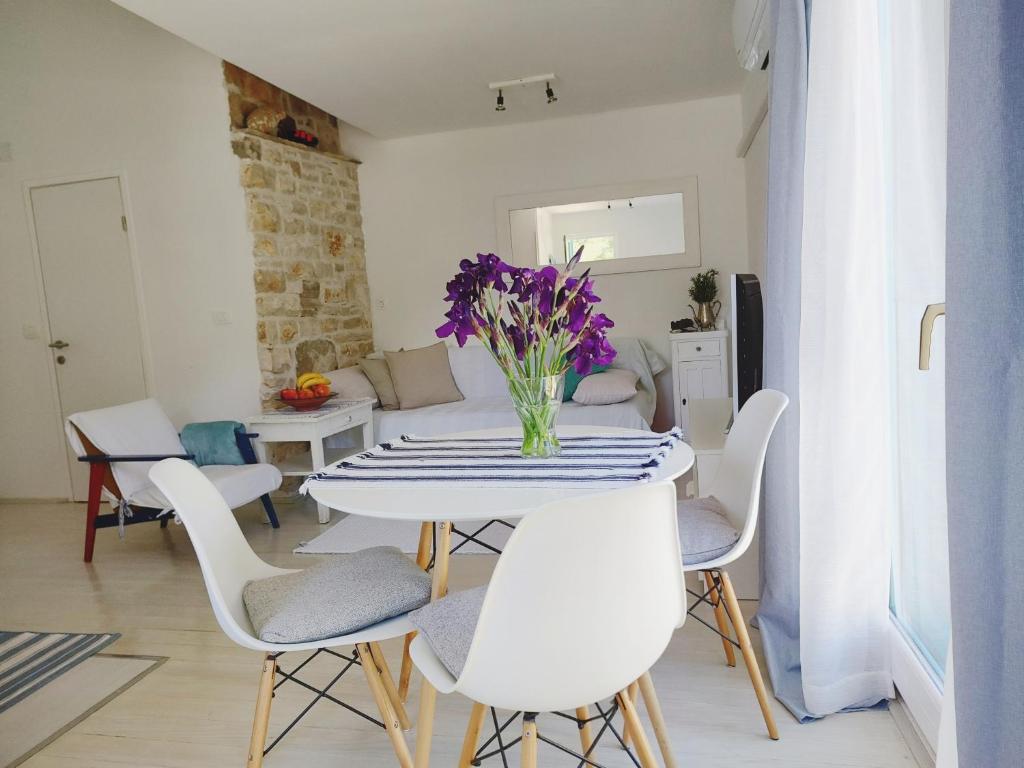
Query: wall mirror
622	228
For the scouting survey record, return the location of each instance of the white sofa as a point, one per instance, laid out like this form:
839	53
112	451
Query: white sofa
487	402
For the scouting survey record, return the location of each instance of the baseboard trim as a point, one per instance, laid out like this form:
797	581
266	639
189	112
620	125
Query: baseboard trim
36	500
911	733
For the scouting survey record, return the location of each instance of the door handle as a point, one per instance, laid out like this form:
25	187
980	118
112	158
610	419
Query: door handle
58	344
924	356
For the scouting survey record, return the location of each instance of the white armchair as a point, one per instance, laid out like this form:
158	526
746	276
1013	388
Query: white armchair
122	443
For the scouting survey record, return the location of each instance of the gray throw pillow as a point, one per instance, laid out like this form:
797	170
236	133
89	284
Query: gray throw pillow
377	371
448	625
705	532
342	594
423	376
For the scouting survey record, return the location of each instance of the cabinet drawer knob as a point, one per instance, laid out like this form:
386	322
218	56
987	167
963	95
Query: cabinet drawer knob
698	349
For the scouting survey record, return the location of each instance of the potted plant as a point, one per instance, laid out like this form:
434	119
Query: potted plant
704	291
536	323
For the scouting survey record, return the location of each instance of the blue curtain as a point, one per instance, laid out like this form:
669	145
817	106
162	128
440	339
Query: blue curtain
778	617
985	376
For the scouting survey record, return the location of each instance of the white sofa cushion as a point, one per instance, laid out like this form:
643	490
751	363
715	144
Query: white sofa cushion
238	484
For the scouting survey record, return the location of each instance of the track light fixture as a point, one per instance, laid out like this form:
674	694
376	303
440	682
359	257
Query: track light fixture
522	81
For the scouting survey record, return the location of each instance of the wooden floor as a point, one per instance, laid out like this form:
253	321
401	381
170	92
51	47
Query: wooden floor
196	709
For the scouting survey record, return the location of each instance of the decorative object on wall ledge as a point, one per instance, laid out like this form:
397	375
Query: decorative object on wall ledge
704	291
535	329
267	120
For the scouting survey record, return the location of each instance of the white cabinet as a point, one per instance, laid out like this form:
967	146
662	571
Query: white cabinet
700	370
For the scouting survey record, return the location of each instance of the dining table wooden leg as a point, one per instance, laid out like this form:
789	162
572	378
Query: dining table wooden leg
428	694
657	719
422	560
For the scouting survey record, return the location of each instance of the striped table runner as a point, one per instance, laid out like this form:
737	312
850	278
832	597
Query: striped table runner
30	660
594	460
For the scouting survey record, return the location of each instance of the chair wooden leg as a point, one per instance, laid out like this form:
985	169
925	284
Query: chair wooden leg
425	723
723	625
586	736
387	713
657	719
633	690
389	685
528	754
261	720
748	655
422	560
96	473
643	747
428	694
476	722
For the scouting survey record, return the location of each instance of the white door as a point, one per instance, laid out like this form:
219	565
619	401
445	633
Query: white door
90	300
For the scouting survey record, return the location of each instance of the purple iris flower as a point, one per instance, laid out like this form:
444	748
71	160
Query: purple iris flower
535	322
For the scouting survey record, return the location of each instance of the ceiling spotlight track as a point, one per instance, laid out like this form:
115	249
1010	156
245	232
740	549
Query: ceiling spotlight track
523	81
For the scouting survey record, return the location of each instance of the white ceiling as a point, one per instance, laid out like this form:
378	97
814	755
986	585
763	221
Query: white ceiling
405	67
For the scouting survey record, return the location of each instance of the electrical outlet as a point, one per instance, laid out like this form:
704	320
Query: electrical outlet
5	152
380	304
221	317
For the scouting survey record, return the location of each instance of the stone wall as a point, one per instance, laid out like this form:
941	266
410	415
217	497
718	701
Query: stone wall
312	298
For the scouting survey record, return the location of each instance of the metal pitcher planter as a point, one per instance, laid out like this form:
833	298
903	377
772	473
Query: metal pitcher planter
706	314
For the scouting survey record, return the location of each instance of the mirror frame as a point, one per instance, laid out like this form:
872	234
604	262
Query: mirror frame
687	185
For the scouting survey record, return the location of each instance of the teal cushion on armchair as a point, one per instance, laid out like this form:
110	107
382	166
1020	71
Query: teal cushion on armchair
213	442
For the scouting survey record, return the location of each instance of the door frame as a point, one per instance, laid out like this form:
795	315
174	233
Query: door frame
37	266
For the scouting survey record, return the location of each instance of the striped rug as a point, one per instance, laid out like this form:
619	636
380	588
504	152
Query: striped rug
30	660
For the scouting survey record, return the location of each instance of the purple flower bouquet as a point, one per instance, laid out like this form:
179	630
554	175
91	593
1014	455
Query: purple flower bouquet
536	324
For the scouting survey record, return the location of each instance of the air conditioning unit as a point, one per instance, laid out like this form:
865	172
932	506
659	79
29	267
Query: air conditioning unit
751	33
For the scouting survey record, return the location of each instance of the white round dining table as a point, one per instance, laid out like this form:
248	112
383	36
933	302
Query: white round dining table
461	503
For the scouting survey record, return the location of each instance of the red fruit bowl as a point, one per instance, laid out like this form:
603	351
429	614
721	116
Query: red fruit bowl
307	403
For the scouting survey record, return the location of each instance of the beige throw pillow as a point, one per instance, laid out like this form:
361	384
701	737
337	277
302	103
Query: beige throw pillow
423	376
615	385
351	383
379	374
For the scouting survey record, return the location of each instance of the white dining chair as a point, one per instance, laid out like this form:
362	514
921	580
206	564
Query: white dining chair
717	529
228	564
582	603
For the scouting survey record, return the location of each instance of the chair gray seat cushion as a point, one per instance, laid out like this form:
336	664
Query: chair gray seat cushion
338	596
705	532
448	625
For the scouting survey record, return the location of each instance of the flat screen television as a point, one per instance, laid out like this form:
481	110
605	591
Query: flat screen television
747	339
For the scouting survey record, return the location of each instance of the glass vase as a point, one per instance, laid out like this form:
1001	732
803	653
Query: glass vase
537	402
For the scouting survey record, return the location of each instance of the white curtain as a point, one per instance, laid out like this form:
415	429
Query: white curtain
847	446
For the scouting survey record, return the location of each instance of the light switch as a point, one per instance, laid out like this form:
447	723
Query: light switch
221	317
29	331
5	152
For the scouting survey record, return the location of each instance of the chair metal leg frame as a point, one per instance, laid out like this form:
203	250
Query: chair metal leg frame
268	686
606	716
720	590
712	597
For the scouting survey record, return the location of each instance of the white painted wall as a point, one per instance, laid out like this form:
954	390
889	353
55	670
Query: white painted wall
88	87
428	201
